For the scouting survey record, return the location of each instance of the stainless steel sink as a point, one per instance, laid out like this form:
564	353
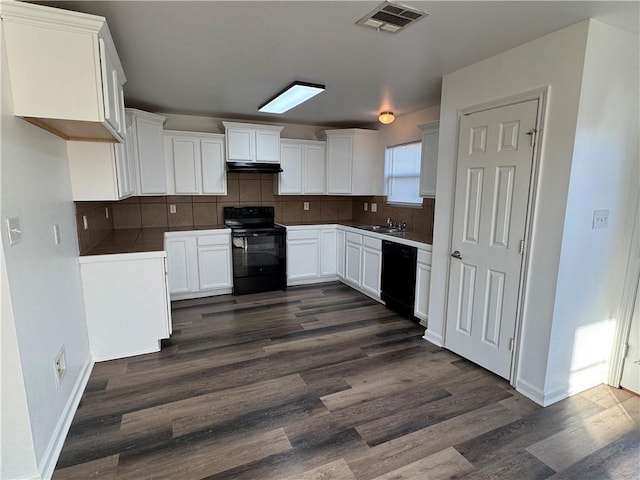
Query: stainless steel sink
380	229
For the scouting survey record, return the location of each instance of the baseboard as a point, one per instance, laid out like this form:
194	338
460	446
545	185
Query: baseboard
530	391
311	281
434	338
48	462
116	355
205	293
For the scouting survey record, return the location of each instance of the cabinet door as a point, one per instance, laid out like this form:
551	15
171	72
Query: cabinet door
429	161
214	171
150	153
353	253
110	87
214	266
339	164
290	180
179	263
123	170
340	245
302	259
267	146
315	165
371	270
241	144
329	252
423	282
186	160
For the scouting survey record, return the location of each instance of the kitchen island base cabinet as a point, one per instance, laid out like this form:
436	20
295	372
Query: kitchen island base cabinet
126	302
199	263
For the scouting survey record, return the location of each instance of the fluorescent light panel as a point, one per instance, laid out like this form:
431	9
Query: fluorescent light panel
292	96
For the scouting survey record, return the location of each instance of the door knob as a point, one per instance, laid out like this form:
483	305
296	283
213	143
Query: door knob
457	255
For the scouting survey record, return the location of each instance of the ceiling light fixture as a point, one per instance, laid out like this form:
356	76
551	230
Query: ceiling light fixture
386	117
292	96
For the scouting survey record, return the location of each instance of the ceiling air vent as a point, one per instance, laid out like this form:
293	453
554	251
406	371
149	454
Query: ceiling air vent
391	17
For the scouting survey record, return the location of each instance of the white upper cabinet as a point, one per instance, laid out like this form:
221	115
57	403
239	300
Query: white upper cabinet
252	143
100	171
196	164
354	166
148	151
303	167
65	73
429	164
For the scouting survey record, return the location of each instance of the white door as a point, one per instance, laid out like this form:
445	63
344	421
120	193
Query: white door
328	253
631	368
267	146
186	159
495	157
214	268
290	180
371	270
214	169
179	264
303	259
314	169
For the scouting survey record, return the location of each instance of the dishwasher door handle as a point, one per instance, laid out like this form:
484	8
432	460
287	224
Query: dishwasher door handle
456	254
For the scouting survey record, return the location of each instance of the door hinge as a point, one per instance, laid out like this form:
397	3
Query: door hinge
510	344
532	133
521	247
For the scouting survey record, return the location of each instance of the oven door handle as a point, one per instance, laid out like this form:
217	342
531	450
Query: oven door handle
264	234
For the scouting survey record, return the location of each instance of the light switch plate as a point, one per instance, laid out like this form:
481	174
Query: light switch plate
600	219
374	207
14	229
172	208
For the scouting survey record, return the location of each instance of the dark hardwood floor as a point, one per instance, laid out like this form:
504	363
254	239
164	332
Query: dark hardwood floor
323	383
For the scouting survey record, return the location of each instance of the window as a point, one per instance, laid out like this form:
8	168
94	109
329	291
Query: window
402	174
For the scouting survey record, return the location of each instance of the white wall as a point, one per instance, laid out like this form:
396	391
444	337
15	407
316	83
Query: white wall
604	176
554	60
43	278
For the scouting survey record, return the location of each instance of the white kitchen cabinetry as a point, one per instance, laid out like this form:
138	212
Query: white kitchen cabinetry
354	166
65	73
311	254
100	171
252	143
340	254
126	302
146	147
199	263
429	162
363	263
303	165
423	282
195	163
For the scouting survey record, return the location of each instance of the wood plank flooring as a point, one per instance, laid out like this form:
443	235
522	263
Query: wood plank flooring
321	383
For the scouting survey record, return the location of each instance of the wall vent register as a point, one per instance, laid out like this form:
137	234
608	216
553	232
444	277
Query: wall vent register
392	17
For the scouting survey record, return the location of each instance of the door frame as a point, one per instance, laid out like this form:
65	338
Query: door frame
541	95
627	305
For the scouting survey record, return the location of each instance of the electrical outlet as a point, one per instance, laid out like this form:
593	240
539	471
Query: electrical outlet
172	208
366	206
56	234
600	219
106	212
374	207
85	222
60	365
305	206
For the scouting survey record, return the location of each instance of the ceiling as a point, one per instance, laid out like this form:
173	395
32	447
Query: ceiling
225	59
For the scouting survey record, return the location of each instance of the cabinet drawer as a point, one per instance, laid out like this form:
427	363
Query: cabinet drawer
213	240
354	238
302	234
371	242
424	257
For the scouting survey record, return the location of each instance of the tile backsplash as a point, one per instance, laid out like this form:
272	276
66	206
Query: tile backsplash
242	189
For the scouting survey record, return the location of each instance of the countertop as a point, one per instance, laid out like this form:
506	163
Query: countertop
134	240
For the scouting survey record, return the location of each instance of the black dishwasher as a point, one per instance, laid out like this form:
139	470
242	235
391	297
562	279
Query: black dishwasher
399	277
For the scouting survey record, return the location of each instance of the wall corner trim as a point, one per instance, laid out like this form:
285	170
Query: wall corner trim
433	338
47	463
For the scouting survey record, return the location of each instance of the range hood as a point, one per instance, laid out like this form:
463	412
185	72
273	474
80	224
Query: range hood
253	167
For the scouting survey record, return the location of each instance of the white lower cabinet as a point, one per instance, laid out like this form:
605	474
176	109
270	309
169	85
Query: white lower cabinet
199	263
423	282
311	254
363	263
340	245
126	302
